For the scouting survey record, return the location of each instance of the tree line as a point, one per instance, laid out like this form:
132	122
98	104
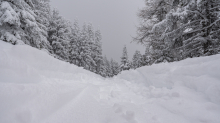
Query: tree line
35	23
171	30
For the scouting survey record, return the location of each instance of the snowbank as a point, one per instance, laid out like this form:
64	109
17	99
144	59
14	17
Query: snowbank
25	64
36	88
199	74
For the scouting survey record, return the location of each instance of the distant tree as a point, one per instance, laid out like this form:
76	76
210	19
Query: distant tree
86	48
125	65
147	58
75	43
108	68
137	60
94	41
103	70
114	67
97	50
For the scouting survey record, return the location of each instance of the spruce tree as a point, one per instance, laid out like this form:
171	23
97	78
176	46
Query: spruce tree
148	58
59	35
18	24
115	67
92	47
75	43
97	49
102	71
85	48
151	27
137	60
107	65
125	65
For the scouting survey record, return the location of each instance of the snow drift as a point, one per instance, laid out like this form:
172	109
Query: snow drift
36	88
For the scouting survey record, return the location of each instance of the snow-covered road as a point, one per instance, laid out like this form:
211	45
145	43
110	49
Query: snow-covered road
36	88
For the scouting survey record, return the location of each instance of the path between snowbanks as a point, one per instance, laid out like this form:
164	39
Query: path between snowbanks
36	88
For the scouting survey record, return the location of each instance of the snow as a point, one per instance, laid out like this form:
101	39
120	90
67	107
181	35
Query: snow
11	38
27	15
8	15
187	30
36	88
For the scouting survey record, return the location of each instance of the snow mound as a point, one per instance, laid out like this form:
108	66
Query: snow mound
36	88
24	64
199	74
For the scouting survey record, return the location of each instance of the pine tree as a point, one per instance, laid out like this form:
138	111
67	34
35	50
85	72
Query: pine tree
18	24
102	71
92	46
59	36
98	51
148	58
125	65
137	60
85	49
10	22
75	43
107	65
152	28
42	11
114	68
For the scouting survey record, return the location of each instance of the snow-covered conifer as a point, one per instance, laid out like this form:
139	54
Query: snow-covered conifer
108	68
152	28
18	24
75	38
125	65
148	58
114	67
97	49
137	60
59	35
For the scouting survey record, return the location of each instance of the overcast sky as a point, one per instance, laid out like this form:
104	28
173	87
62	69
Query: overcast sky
117	20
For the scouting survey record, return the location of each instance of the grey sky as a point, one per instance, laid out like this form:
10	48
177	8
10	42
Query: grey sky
117	20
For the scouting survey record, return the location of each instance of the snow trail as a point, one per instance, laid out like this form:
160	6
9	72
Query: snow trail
36	88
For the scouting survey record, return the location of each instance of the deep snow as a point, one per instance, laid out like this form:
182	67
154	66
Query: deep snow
36	88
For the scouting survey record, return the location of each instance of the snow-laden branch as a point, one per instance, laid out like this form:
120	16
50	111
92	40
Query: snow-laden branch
217	7
186	42
181	28
197	12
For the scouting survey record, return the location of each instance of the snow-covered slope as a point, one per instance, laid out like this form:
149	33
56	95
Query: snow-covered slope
36	88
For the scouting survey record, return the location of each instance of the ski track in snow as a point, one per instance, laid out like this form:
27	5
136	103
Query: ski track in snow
36	88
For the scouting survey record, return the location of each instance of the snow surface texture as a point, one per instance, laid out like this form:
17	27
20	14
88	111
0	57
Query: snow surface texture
36	88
